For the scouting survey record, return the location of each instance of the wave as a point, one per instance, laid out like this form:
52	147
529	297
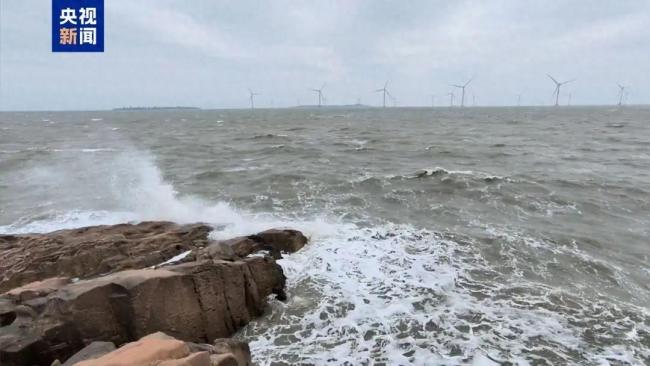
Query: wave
384	292
396	294
438	171
270	136
45	149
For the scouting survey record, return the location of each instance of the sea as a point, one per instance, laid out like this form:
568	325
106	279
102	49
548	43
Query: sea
438	236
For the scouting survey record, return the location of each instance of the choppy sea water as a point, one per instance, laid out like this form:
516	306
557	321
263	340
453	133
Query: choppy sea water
438	236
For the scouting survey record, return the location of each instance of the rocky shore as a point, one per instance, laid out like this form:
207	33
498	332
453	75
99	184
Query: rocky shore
164	293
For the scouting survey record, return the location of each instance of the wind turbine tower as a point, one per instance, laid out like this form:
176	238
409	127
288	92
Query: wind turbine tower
252	96
462	87
558	84
320	94
451	99
621	94
385	91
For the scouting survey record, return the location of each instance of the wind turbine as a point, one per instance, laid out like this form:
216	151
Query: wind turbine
621	94
451	99
558	84
386	92
252	96
320	94
462	98
433	101
518	100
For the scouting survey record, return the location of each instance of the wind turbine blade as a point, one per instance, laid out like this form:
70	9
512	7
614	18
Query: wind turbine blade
556	90
386	84
552	78
456	85
468	81
322	86
568	81
378	90
389	94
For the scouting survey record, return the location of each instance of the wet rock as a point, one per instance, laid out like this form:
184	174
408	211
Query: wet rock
287	241
197	301
238	350
124	295
275	241
93	250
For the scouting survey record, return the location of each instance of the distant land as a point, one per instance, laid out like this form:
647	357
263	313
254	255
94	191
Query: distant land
334	106
152	108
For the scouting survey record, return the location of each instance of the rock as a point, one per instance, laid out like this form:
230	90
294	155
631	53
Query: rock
142	353
37	288
194	359
163	350
275	241
197	301
223	360
119	294
287	241
239	350
94	250
91	351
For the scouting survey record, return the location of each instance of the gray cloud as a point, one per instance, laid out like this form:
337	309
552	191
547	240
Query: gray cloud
207	53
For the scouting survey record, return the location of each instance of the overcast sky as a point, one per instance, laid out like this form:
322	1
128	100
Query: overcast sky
206	53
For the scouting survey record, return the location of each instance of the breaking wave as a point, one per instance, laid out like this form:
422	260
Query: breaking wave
381	292
401	295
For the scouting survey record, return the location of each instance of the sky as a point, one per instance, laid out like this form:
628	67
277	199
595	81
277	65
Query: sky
207	53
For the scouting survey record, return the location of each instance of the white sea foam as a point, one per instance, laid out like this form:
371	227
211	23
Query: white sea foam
85	150
176	258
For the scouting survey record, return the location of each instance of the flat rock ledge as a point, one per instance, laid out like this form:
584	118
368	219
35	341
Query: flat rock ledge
98	287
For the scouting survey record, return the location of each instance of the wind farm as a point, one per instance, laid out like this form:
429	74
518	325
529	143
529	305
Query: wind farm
457	95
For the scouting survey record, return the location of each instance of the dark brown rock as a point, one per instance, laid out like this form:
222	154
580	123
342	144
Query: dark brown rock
286	241
238	349
94	250
197	301
275	241
208	295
